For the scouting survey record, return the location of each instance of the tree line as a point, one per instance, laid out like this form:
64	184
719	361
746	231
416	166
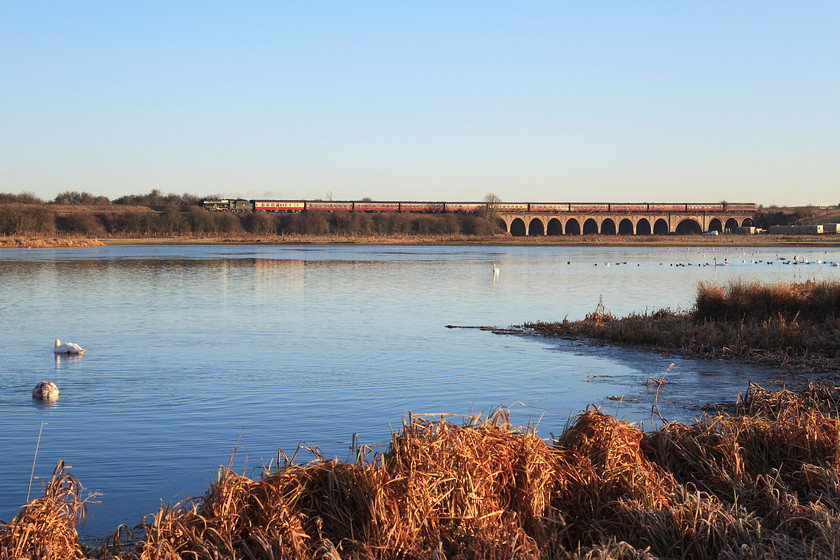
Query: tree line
155	198
34	219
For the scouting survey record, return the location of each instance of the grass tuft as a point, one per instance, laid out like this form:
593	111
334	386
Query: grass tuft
46	526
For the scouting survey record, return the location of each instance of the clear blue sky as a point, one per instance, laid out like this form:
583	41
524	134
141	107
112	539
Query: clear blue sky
554	101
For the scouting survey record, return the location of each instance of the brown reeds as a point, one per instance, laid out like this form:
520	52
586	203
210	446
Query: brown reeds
742	301
441	489
46	527
792	325
773	466
762	482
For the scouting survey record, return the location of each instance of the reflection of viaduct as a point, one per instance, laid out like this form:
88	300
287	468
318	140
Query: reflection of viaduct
521	224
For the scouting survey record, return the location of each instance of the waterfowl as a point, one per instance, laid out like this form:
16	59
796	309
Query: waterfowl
45	390
67	348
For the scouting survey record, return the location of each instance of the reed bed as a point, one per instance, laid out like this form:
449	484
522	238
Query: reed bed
46	526
793	325
760	482
809	301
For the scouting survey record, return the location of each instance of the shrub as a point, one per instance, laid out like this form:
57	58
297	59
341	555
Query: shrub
17	219
79	223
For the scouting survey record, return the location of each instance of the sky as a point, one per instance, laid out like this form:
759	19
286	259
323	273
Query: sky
532	101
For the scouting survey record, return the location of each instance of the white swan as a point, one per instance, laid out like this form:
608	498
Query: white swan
45	390
67	348
495	270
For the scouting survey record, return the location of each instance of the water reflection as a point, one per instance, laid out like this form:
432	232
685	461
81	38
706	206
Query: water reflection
46	404
67	359
271	276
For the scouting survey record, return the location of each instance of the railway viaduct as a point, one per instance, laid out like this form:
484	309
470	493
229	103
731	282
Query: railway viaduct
520	224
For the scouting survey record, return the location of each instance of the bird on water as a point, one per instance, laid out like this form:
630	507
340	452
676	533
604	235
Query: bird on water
45	390
67	348
495	270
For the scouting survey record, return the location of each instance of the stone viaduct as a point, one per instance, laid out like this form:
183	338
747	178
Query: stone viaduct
520	223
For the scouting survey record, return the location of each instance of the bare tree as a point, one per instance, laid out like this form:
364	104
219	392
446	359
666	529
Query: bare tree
491	210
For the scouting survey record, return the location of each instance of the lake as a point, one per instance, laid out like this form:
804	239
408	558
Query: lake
195	352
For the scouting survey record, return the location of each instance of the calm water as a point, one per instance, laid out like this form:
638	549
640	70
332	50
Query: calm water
192	349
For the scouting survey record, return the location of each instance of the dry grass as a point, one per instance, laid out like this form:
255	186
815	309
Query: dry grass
742	301
46	526
763	482
31	242
794	325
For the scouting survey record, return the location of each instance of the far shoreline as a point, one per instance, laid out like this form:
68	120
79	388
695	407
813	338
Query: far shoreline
727	241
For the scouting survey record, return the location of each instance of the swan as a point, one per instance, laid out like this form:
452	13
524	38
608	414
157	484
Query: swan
495	270
67	348
45	390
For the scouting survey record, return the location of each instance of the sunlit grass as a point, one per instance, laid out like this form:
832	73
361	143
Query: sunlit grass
794	325
761	482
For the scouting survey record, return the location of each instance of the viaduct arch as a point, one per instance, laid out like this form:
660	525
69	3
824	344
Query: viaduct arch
536	224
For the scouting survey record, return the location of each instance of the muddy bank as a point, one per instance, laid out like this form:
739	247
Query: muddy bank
500	239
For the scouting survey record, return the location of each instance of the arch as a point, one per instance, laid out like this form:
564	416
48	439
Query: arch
536	227
590	227
748	222
555	227
608	227
572	227
715	225
625	227
688	226
731	224
643	227
517	228
501	225
660	227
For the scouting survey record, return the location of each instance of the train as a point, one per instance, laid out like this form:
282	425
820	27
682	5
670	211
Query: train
370	206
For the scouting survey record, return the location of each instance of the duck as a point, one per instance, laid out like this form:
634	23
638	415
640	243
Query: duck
67	348
45	390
